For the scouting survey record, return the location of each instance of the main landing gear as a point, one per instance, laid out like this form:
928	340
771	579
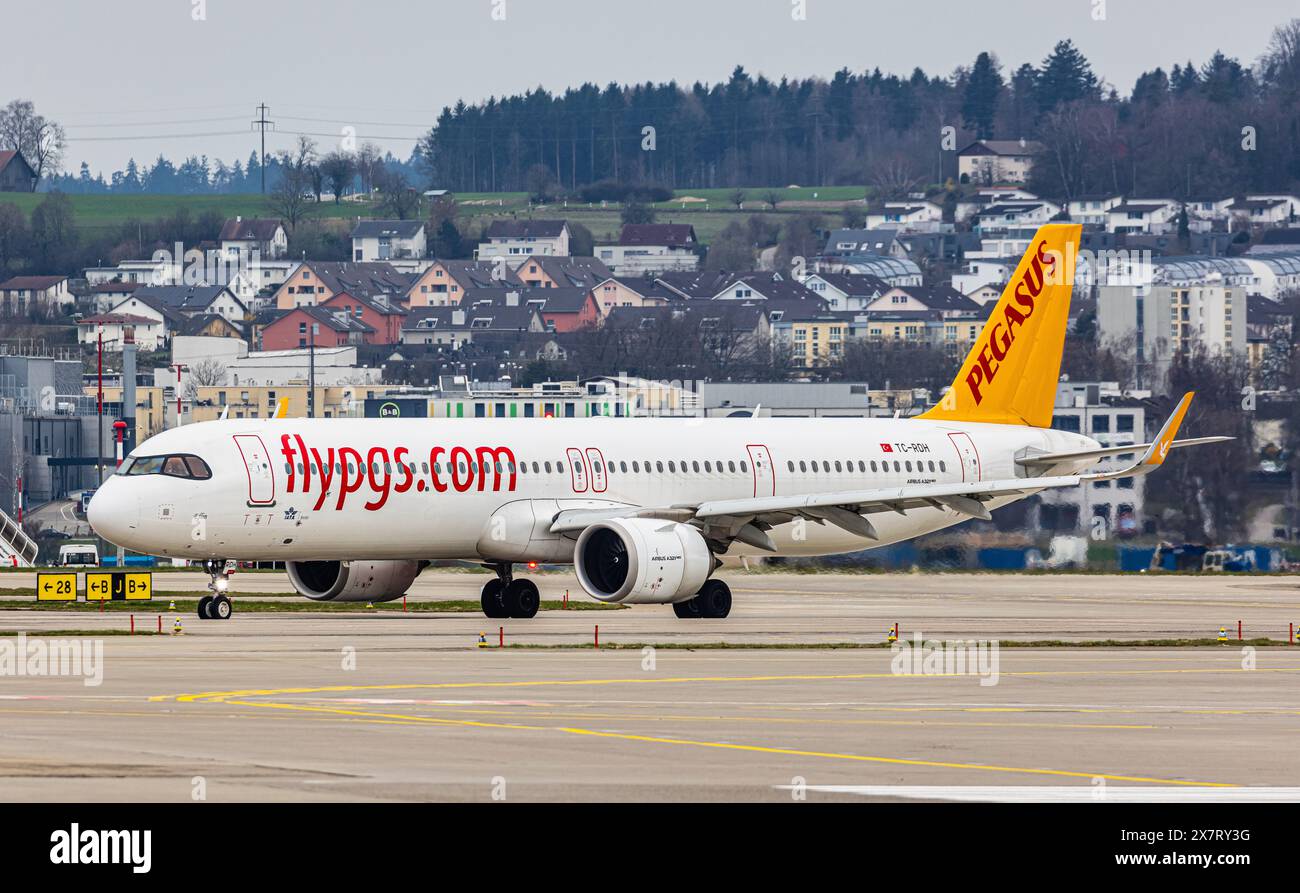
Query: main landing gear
712	601
217	606
508	597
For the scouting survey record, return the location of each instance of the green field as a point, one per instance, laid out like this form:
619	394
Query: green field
104	212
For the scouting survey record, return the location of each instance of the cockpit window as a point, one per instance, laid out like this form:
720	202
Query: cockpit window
172	466
146	465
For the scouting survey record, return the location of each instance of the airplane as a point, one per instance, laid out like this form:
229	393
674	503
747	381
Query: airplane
643	508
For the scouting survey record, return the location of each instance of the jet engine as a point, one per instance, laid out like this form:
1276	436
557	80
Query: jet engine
642	561
352	581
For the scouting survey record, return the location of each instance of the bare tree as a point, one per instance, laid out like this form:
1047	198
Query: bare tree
289	198
338	168
396	197
40	140
207	373
369	163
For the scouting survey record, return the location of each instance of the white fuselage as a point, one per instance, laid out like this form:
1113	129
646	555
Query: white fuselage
341	489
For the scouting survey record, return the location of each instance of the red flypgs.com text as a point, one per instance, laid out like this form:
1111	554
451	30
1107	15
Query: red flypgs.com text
1002	334
378	471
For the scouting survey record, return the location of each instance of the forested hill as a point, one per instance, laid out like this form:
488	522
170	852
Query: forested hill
1177	132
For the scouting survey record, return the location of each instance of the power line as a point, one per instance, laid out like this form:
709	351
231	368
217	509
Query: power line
157	123
153	136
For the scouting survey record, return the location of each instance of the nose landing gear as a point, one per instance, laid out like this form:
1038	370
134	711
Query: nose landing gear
217	606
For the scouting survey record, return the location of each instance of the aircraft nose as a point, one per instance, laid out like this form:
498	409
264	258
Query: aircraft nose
112	512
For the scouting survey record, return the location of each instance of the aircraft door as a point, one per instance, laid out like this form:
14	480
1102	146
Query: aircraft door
577	469
967	455
764	475
257	462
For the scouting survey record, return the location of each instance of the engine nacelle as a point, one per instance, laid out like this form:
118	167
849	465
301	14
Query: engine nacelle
642	561
352	581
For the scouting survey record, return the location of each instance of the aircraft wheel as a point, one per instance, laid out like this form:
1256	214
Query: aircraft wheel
204	604
687	610
493	605
522	599
220	608
715	599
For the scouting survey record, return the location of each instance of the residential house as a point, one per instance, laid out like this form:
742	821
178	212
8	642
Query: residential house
731	330
522	238
852	242
23	293
241	238
314	326
629	291
998	161
1205	212
562	272
942	299
847	291
458	326
724	286
16	175
1093	209
104	295
1143	216
1264	210
987	293
191	300
1264	319
445	282
564	309
916	215
1007	215
649	248
147	332
314	282
210	325
970	203
383	240
383	315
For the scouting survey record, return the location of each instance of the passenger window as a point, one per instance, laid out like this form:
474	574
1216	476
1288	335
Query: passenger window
896	466
548	467
731	466
671	466
873	465
790	465
695	466
803	466
837	465
943	466
744	466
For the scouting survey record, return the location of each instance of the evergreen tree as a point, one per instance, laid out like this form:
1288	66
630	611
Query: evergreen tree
983	89
1064	77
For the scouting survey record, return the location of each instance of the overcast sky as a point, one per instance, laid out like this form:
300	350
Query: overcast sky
127	77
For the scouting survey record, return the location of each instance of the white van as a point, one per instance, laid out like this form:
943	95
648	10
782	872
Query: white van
78	555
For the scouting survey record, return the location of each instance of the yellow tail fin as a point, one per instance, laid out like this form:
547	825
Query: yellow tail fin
1010	375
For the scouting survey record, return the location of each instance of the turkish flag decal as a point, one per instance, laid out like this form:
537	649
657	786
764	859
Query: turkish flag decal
886	448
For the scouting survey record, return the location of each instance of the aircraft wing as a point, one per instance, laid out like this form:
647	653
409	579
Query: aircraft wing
748	519
1045	460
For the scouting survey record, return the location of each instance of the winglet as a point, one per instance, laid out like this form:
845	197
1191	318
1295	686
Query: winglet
282	407
1159	448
